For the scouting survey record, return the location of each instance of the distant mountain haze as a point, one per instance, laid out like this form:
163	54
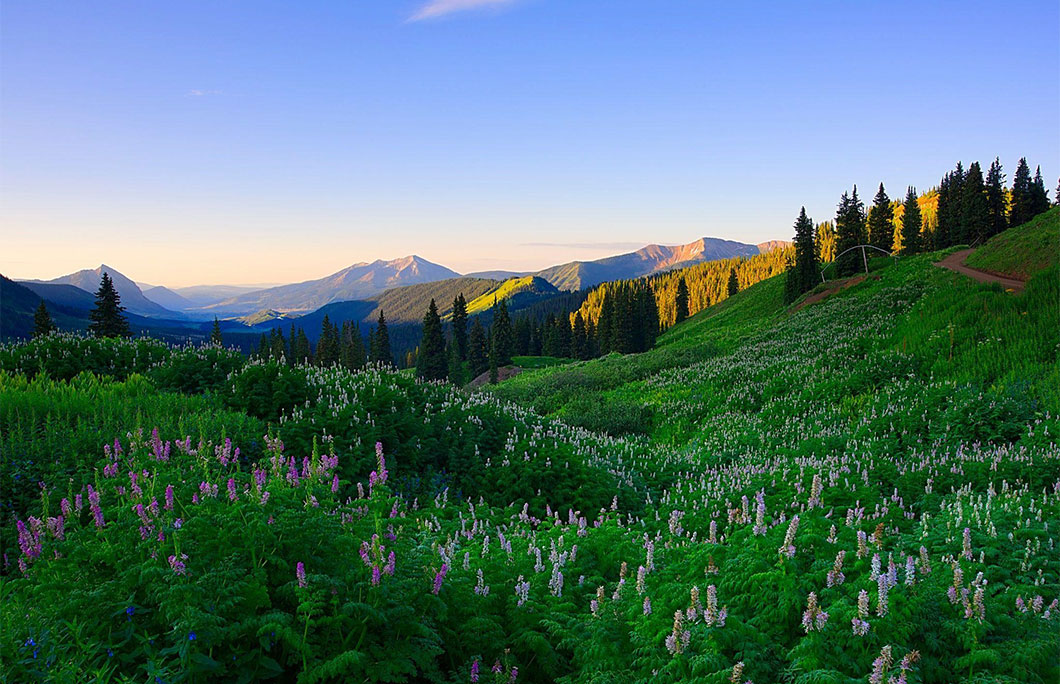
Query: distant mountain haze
359	281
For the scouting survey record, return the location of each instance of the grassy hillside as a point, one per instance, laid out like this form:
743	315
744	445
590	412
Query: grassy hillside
864	487
1022	250
520	292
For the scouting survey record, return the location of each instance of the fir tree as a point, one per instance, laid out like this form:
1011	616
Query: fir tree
477	350
734	282
353	354
380	347
456	373
43	325
881	222
950	230
681	302
850	232
911	223
995	198
1039	195
975	212
215	333
824	241
460	326
806	271
277	345
107	317
1020	210
502	337
493	365
328	344
579	343
431	363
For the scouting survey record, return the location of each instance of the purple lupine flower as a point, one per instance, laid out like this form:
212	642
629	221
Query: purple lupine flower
93	502
335	484
64	506
177	564
647	606
232	496
299	573
376	576
515	673
474	672
56	527
28	540
390	562
441	572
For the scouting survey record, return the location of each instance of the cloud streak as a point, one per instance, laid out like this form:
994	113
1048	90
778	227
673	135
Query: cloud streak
439	8
203	93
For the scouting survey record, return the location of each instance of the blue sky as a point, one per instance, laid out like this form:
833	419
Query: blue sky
251	142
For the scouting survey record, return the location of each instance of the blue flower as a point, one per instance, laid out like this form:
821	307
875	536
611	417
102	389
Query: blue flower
110	653
191	636
129	611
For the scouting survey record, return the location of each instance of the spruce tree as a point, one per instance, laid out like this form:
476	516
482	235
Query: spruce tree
460	326
563	337
43	324
975	211
456	373
277	345
215	333
681	301
950	230
1039	195
493	365
881	221
824	240
352	355
380	347
477	350
579	346
107	317
301	351
995	198
1021	208
734	282
805	273
432	364
911	223
501	335
328	344
647	312
850	232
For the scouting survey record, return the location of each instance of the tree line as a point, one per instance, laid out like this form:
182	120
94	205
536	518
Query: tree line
966	208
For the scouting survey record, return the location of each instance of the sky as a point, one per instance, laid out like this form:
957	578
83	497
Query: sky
274	141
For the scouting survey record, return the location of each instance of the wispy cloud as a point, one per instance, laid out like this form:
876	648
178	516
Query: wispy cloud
438	8
586	245
203	93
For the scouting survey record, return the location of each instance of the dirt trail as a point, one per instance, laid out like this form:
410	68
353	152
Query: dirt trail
955	263
837	286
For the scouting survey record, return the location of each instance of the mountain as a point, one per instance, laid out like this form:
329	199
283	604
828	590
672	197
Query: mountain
360	281
166	297
771	245
205	295
578	275
498	275
132	298
68	296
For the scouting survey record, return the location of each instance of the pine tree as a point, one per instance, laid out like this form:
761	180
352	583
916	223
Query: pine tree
806	271
521	331
477	350
460	326
215	333
911	223
455	366
43	325
950	230
824	240
734	282
494	366
975	211
502	337
277	345
263	348
1021	209
380	347
1039	195
432	364
352	355
995	198
881	221
681	302
107	317
328	344
563	337
850	232
579	344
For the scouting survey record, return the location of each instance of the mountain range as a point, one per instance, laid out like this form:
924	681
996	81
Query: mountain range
401	288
